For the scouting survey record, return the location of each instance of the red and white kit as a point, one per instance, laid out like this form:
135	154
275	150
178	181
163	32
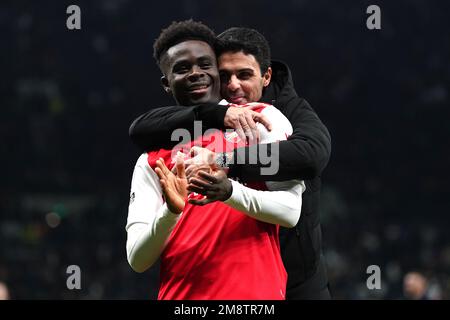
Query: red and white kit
223	250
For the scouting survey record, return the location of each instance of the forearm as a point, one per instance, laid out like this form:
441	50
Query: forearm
281	207
154	128
310	140
303	156
146	241
278	161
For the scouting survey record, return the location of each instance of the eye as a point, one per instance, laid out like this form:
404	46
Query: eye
245	75
224	78
181	68
205	65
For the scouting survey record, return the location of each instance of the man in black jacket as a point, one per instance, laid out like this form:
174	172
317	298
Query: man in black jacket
304	155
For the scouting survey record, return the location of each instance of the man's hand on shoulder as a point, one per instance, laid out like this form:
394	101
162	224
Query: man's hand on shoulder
243	119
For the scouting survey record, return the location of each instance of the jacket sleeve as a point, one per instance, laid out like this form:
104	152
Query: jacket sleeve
303	156
153	129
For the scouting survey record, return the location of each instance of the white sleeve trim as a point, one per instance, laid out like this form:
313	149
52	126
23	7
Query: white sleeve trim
280	206
149	222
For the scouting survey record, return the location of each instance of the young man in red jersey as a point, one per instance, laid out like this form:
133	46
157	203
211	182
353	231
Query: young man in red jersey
224	250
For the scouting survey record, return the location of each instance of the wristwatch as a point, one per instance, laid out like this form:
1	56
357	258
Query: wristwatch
224	159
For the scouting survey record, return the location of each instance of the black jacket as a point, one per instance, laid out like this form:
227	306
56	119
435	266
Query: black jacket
304	156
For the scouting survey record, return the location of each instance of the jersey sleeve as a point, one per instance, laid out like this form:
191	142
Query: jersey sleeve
149	221
281	205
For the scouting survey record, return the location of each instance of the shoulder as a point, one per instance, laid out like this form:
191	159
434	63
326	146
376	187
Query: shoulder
280	124
142	161
270	110
144	175
142	168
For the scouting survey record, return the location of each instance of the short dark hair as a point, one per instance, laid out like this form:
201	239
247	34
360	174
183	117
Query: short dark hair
247	40
180	31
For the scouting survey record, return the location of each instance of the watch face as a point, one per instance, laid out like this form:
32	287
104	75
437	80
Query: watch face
221	160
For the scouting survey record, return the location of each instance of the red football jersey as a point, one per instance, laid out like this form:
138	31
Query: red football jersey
217	252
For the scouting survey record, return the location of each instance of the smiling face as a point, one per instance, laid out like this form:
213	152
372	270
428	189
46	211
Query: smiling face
241	78
190	73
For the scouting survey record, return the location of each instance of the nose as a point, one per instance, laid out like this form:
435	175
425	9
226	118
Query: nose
233	83
196	73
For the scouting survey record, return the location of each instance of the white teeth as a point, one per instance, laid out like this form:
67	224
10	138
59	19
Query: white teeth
199	87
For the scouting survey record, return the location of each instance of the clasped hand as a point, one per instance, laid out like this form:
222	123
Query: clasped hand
199	174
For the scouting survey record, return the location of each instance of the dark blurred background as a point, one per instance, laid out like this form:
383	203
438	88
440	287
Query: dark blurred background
67	99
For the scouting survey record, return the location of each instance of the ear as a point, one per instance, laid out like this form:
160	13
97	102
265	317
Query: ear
165	84
267	76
